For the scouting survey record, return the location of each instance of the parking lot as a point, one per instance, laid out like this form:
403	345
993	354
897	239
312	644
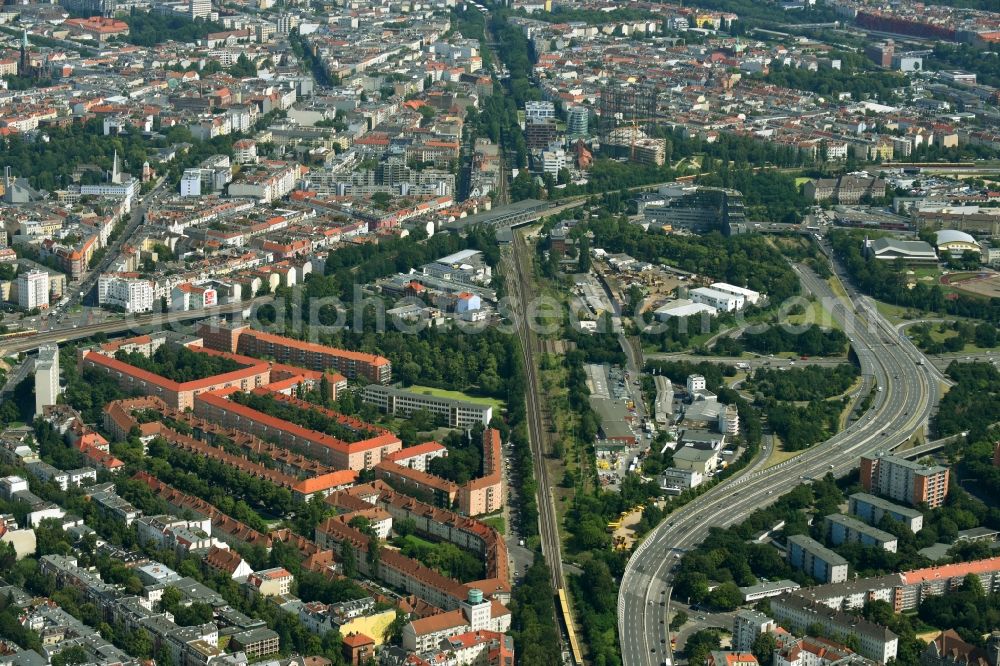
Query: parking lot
616	398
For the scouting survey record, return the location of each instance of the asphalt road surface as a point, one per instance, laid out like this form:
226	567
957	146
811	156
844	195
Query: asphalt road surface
900	408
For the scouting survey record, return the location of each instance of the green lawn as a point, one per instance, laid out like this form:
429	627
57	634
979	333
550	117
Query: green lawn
895	313
838	288
924	272
940	336
498	405
815	314
778	454
497	523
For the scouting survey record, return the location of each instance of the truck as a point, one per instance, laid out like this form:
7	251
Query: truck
742	365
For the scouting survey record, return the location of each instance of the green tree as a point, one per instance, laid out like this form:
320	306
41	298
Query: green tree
349	560
763	647
70	656
726	596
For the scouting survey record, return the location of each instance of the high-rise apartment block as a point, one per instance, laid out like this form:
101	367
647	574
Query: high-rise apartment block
904	480
33	289
46	378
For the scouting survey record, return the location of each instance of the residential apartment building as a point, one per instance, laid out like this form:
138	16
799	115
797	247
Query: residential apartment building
256	643
540	132
747	626
180	396
797	614
534	110
904	591
814	651
484	494
457	413
475	613
418	456
948	649
730	658
577	119
845	189
432	489
267	185
809	555
362	454
904	480
872	509
33	290
844	529
46	378
241	338
270	582
131	294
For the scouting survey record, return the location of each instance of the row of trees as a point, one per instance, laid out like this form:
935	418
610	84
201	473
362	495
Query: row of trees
465	457
810	341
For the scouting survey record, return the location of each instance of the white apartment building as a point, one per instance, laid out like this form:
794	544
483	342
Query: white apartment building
191	183
33	289
245	151
538	110
267	186
187	296
130	294
46	377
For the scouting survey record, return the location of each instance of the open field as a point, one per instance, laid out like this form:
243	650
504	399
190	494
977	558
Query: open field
814	313
778	454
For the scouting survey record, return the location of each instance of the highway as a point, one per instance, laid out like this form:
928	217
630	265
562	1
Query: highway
900	409
152	321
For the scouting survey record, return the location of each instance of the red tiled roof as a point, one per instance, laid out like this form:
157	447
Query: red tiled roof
952	570
316	348
218	399
336	479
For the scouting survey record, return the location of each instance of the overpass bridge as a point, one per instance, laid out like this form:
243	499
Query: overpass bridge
62	335
926	448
